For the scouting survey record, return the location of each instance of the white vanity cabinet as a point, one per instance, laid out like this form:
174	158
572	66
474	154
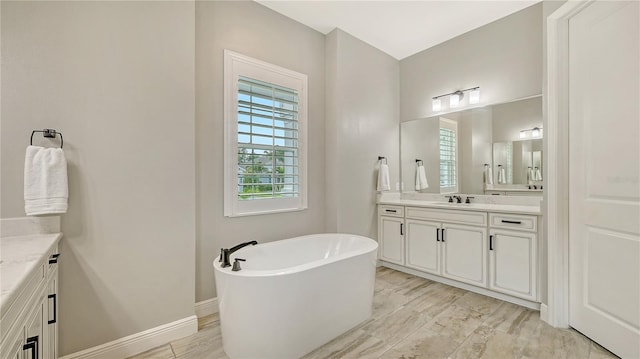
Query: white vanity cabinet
391	229
423	246
513	255
29	325
490	253
447	243
464	253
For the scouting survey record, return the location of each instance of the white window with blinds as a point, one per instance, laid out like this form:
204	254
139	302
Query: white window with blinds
265	137
448	156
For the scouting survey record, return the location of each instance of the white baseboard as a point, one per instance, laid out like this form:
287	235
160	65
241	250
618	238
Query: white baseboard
140	342
207	307
544	313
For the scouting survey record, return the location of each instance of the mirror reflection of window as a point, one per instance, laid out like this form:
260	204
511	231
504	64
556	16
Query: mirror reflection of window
448	156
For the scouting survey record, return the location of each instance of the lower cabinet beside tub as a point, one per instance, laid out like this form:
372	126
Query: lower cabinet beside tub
30	309
495	254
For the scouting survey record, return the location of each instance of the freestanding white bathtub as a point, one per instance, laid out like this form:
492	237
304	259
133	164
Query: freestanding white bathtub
295	295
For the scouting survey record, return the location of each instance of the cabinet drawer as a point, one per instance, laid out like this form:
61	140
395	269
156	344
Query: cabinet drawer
451	216
495	193
513	221
393	211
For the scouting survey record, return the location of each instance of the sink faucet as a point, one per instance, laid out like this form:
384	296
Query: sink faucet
458	199
226	253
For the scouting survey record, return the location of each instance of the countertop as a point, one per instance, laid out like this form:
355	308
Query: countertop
482	207
19	256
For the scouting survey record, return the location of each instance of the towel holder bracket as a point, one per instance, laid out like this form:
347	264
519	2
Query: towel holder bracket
47	133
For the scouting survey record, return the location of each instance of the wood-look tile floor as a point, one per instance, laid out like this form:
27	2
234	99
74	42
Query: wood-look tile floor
418	318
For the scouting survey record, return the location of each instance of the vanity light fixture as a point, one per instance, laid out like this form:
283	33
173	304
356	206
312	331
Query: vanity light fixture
474	95
436	104
455	98
523	134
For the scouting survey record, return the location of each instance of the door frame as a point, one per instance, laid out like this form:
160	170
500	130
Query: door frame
556	140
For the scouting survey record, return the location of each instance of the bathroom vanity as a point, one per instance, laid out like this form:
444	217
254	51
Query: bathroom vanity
488	248
29	297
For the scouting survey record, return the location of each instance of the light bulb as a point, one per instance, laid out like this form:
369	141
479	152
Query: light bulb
436	105
474	96
454	100
523	134
535	132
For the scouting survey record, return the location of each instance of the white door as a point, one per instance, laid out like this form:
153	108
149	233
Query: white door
604	169
513	263
392	230
464	251
423	246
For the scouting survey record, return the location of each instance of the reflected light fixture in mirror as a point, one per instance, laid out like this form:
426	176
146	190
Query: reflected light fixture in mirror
535	132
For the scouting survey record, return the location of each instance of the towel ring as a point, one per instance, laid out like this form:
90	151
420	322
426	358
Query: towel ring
419	162
47	133
380	158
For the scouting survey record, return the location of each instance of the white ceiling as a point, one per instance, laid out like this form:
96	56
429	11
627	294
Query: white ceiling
399	28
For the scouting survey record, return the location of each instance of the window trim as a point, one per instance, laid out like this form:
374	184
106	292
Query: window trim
452	125
235	65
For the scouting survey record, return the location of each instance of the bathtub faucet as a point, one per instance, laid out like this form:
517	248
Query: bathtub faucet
226	253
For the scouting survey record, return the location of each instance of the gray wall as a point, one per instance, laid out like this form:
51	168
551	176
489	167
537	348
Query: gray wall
362	123
253	30
117	79
504	58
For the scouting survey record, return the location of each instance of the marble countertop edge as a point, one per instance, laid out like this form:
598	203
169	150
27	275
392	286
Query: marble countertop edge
478	207
19	257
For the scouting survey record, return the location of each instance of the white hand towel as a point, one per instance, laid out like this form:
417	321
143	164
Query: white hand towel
46	188
421	178
488	175
538	175
530	175
383	178
502	177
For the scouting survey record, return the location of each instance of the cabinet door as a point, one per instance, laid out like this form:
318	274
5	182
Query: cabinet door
464	253
392	239
34	332
50	340
423	246
512	263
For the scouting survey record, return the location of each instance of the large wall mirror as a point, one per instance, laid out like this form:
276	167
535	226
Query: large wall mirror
495	149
